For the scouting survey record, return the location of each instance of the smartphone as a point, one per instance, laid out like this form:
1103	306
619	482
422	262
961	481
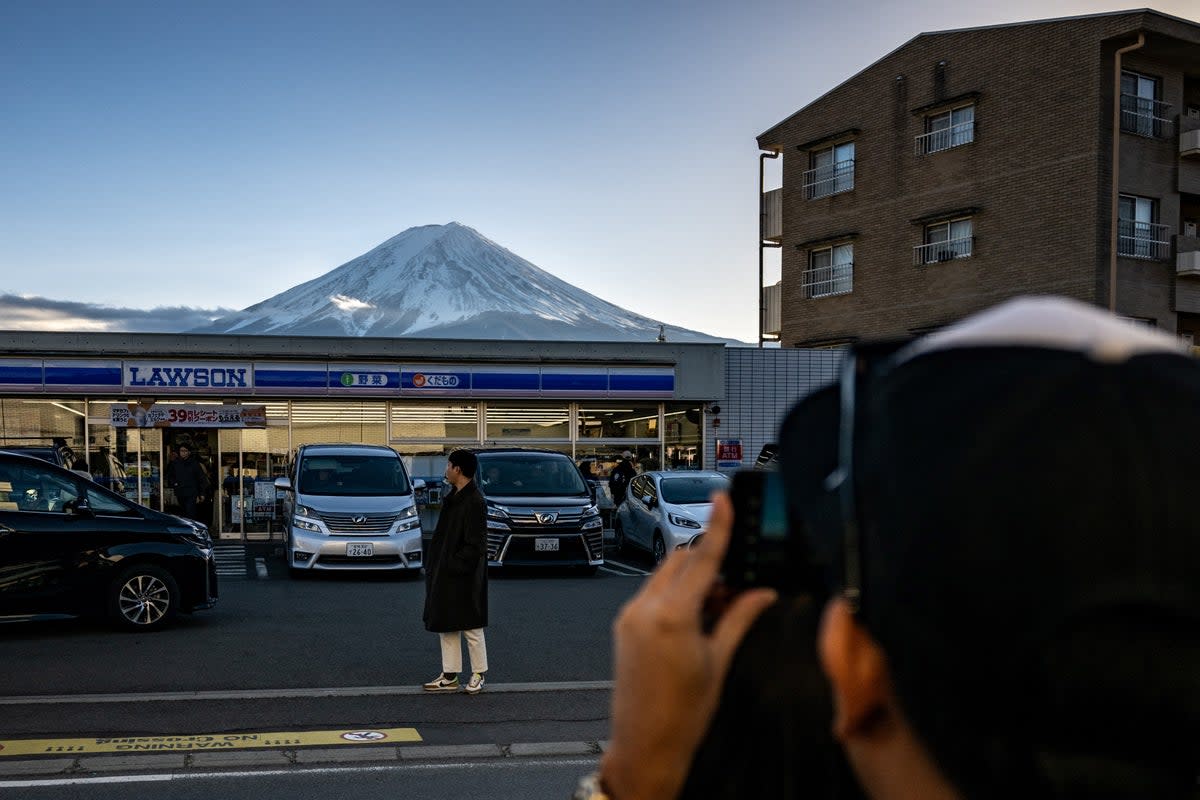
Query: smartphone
763	550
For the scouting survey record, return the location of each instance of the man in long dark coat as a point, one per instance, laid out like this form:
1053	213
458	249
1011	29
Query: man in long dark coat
189	479
456	577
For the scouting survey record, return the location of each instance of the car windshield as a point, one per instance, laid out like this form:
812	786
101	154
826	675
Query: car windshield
361	476
539	474
691	489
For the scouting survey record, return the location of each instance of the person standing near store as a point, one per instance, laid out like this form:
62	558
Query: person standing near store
456	577
189	479
619	478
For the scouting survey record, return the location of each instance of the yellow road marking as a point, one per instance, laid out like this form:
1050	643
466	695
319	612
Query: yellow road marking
205	741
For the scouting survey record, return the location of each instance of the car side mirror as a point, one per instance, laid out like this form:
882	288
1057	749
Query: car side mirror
648	500
79	508
418	484
283	483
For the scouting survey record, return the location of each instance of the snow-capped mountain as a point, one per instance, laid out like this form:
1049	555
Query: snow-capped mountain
444	281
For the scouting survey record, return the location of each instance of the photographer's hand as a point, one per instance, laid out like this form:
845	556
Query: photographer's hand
668	671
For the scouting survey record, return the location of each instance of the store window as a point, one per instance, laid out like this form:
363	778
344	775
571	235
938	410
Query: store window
339	421
436	421
682	436
618	421
54	430
515	423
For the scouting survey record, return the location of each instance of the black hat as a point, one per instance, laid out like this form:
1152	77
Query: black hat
1029	540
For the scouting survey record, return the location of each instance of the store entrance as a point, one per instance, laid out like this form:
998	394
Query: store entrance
202	446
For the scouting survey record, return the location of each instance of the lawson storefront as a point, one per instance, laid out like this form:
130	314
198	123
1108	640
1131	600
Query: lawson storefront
124	403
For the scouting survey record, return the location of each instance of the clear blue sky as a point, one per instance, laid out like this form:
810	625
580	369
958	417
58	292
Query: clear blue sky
216	153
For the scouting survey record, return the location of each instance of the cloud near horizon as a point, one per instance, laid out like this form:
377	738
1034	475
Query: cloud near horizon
23	313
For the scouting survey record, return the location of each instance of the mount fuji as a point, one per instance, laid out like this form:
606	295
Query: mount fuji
445	281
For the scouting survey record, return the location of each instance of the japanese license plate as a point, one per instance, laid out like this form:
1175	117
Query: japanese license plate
545	545
360	549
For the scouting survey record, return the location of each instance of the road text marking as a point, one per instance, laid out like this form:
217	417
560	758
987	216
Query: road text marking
204	741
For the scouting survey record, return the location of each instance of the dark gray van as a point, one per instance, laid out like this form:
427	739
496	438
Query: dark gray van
541	511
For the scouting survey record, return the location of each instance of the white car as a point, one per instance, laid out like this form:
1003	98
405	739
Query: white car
665	510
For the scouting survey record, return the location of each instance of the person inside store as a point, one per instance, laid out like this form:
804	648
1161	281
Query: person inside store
1003	514
620	476
188	477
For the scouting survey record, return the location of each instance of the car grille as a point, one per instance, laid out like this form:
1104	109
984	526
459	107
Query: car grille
388	559
495	543
595	543
570	548
345	524
568	519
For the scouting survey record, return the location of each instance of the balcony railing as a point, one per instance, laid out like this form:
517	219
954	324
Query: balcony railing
1146	116
948	250
830	179
955	135
826	281
1143	240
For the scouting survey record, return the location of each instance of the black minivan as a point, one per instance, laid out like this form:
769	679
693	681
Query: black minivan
540	510
69	547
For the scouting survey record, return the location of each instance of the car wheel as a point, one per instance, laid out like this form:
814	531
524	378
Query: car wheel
618	537
143	598
660	548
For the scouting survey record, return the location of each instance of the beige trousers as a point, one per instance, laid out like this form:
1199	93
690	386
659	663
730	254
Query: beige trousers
452	650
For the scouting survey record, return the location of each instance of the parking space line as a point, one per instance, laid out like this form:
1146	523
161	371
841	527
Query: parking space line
632	570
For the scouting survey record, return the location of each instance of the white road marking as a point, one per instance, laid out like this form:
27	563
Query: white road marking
265	694
504	762
632	569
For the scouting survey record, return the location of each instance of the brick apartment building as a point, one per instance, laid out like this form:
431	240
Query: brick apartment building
970	166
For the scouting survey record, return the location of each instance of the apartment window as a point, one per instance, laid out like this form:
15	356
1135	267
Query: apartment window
1142	110
830	271
832	171
949	129
1138	233
946	241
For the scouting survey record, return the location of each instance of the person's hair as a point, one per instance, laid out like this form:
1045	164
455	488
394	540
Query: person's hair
466	461
1032	583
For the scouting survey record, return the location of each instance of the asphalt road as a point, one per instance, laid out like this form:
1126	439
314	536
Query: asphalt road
358	638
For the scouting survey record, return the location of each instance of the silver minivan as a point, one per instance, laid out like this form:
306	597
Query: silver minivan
350	507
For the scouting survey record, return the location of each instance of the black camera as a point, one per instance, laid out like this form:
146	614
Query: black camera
764	548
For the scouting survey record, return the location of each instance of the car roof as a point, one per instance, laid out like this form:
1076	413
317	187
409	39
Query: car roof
346	449
28	453
478	451
686	473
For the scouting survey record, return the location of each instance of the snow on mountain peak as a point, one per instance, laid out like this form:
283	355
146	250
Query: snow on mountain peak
443	281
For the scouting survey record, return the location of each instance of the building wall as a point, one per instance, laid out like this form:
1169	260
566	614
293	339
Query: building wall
1038	171
761	386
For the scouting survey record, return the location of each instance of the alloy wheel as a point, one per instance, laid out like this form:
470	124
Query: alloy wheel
144	599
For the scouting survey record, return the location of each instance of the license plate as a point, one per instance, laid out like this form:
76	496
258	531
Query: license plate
360	549
545	545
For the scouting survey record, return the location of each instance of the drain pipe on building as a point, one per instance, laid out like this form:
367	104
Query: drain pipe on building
1116	170
762	222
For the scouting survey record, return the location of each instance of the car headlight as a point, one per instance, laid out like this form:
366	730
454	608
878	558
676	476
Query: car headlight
306	524
682	522
497	512
408	520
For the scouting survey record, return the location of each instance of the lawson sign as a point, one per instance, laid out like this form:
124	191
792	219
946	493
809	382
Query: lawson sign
188	375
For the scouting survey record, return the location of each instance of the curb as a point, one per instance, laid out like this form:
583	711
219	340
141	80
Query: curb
83	766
